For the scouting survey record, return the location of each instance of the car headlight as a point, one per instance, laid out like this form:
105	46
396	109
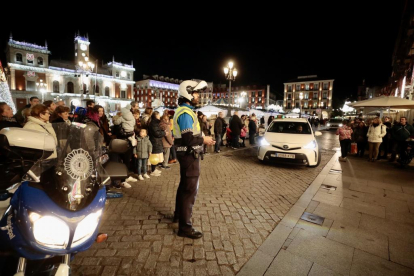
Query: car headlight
50	231
86	228
328	124
341	125
264	142
311	145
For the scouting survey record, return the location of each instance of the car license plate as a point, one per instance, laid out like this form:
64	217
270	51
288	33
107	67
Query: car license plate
284	155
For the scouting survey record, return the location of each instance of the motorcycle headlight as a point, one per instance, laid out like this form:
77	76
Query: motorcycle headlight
311	145
341	125
264	142
86	228
50	231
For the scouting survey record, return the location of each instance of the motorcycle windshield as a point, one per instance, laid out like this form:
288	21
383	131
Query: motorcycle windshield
73	178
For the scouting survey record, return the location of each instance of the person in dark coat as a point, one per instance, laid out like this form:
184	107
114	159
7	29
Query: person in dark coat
6	119
270	119
252	130
360	137
156	134
235	126
103	124
219	131
19	114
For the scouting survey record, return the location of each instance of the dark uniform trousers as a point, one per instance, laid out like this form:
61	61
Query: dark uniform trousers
187	190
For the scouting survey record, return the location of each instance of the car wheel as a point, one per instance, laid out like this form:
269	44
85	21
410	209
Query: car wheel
319	160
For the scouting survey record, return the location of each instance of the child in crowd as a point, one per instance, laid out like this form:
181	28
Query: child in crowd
142	152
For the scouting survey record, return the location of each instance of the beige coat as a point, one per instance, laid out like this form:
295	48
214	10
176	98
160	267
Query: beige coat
39	125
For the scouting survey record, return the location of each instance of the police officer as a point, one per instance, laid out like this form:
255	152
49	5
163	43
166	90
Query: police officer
189	145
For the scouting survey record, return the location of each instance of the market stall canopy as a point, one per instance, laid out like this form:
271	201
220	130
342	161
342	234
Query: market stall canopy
221	101
211	110
385	101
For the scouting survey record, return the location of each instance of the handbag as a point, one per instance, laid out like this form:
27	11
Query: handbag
354	148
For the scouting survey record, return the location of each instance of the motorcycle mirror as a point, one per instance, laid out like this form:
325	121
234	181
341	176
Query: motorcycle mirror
4	195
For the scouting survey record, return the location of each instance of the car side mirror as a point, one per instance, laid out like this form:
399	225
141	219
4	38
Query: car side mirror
4	195
318	133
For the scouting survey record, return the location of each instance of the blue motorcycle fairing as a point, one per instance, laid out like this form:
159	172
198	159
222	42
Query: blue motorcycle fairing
29	199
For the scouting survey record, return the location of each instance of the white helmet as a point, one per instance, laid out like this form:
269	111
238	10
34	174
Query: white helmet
188	87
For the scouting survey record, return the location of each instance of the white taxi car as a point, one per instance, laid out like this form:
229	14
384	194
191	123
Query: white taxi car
290	141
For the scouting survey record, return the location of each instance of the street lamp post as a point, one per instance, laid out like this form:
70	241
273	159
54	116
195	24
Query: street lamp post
230	72
41	86
300	104
85	67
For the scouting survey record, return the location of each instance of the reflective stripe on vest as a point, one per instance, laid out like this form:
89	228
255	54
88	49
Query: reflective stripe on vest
176	128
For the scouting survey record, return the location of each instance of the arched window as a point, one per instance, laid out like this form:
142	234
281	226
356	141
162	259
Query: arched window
96	89
55	87
70	87
39	61
107	91
123	94
84	88
19	57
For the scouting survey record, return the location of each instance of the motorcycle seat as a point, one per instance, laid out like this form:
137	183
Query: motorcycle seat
116	171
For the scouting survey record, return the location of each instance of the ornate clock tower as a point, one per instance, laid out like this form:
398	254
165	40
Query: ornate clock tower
81	48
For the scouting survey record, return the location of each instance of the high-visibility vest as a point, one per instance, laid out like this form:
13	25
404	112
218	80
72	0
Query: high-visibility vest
176	128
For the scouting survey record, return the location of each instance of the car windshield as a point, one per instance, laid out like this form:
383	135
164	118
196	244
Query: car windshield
337	121
290	127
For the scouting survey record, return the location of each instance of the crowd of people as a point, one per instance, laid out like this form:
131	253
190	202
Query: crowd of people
148	134
379	136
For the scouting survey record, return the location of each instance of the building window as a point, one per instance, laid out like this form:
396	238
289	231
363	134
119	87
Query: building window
297	105
96	89
39	61
307	87
70	87
296	96
315	105
252	100
260	93
117	74
306	96
315	86
146	98
289	106
107	91
325	94
253	94
289	88
128	76
289	96
123	94
19	57
297	87
325	86
55	87
31	86
152	98
260	100
315	96
305	105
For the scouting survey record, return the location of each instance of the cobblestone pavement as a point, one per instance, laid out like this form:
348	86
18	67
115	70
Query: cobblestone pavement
240	201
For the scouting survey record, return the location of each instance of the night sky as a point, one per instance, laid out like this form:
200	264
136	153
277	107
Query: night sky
348	42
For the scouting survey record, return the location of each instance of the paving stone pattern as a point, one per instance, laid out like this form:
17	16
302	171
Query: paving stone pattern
240	201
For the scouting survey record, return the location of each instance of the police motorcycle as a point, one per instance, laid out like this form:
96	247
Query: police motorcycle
50	208
408	152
